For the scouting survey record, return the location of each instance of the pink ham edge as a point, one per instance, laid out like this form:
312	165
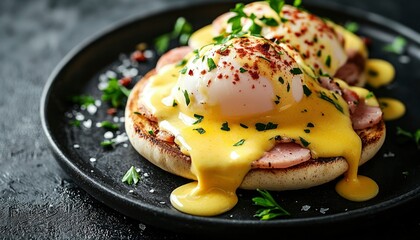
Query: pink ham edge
283	155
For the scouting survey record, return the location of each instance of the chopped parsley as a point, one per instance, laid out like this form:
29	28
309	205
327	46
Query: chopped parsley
306	90
183	70
182	31
199	118
187	97
263	127
131	176
200	130
276	5
271	209
369	95
310	125
239	143
225	126
328	99
414	136
211	64
83	100
243	125
304	142
107	143
242	70
351	26
115	93
295	71
281	80
109	125
328	61
297	3
75	123
397	46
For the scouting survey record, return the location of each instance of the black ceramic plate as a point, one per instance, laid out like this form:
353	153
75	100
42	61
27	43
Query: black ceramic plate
396	167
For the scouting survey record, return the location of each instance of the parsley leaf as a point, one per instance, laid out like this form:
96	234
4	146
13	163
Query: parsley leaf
83	100
276	5
239	143
131	176
115	93
262	127
351	26
109	125
182	31
328	99
397	46
271	209
225	126
199	118
414	136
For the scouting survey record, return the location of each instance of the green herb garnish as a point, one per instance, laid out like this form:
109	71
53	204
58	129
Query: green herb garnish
75	123
131	176
243	125
239	143
397	46
182	31
304	142
414	136
295	71
187	97
107	143
109	125
306	90
115	93
271	209
328	61
199	118
83	100
200	130
225	126
211	64
328	99
351	26
263	127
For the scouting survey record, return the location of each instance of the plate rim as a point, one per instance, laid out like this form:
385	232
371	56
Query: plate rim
90	184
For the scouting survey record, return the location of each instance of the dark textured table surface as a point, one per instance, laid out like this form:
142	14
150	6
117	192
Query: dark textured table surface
37	199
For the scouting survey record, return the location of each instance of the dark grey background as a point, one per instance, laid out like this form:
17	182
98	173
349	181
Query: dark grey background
37	200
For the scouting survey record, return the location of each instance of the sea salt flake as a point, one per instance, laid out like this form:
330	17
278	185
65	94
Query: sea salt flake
80	117
111	74
87	123
305	208
148	54
76	146
152	190
142	226
92	159
323	210
108	135
389	154
92	109
146	175
116	119
131	191
404	59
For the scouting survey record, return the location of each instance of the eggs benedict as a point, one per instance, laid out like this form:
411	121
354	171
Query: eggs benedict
325	47
244	113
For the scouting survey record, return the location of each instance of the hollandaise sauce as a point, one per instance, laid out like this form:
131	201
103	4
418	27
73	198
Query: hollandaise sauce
379	72
208	106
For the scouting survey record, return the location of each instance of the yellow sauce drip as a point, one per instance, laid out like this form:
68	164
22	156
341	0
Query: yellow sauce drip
379	72
360	188
392	108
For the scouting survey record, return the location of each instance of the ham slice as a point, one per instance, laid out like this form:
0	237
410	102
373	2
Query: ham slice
283	155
